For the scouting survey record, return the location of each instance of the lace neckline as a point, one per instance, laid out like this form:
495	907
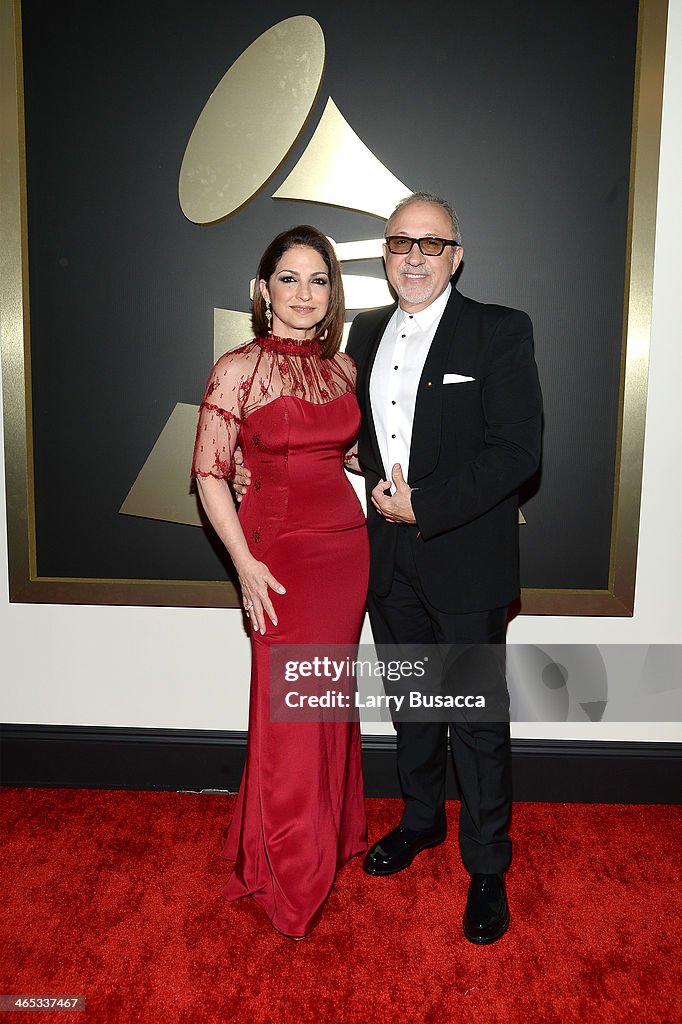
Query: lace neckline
291	346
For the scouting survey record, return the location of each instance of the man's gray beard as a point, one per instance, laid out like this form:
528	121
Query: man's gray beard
414	297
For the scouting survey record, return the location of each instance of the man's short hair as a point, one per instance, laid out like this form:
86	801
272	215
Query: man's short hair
430	197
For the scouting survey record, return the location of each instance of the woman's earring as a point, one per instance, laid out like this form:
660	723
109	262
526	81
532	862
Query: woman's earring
268	314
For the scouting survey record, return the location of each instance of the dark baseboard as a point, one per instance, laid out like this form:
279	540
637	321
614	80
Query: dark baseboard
184	759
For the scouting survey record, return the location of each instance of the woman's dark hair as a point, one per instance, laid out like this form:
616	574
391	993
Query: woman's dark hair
304	235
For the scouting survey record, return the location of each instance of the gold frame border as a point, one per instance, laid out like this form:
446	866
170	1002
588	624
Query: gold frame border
26	585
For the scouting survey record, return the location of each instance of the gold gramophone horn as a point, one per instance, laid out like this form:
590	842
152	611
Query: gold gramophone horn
338	169
251	119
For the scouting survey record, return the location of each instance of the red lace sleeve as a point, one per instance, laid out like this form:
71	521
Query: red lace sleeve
219	419
348	368
250	377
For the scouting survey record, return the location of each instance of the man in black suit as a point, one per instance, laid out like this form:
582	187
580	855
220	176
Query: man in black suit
451	422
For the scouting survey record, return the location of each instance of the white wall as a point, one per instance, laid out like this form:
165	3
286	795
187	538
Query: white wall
160	667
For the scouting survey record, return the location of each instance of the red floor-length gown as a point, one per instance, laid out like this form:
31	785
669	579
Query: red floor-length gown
300	811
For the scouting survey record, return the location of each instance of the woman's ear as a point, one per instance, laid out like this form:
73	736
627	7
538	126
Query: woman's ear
264	290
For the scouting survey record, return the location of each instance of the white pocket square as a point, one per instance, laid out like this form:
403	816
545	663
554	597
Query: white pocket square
455	378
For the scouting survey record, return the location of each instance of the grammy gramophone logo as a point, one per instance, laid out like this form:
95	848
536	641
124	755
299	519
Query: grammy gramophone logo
242	137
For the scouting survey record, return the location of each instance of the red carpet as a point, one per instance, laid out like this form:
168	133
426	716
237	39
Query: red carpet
115	896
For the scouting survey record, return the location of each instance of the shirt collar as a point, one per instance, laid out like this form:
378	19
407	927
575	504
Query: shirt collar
427	317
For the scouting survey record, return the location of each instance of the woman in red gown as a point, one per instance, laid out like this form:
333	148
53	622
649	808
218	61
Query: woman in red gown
299	545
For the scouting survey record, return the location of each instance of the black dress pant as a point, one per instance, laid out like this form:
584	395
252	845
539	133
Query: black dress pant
480	749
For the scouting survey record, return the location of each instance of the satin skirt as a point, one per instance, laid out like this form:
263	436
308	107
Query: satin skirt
300	811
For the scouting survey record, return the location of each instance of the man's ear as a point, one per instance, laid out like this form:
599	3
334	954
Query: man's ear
457	258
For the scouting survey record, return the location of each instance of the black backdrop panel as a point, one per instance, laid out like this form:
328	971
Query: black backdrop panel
521	114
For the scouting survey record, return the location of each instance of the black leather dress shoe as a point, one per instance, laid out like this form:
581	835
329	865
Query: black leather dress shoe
398	849
486	918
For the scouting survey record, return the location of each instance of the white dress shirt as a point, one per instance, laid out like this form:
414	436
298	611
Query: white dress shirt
395	378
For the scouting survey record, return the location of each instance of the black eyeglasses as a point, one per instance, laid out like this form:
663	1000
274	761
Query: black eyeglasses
400	245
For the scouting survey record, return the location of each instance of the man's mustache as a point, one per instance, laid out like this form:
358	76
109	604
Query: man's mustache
424	271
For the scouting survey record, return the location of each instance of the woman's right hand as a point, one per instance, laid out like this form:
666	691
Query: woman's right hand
255	580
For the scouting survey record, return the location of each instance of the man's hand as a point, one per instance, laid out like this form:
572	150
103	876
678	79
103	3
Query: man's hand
351	461
242	475
395	508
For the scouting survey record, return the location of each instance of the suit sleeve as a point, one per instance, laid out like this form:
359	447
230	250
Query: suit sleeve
352	342
512	409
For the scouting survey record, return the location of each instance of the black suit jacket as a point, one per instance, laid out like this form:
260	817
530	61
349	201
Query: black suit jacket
473	444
